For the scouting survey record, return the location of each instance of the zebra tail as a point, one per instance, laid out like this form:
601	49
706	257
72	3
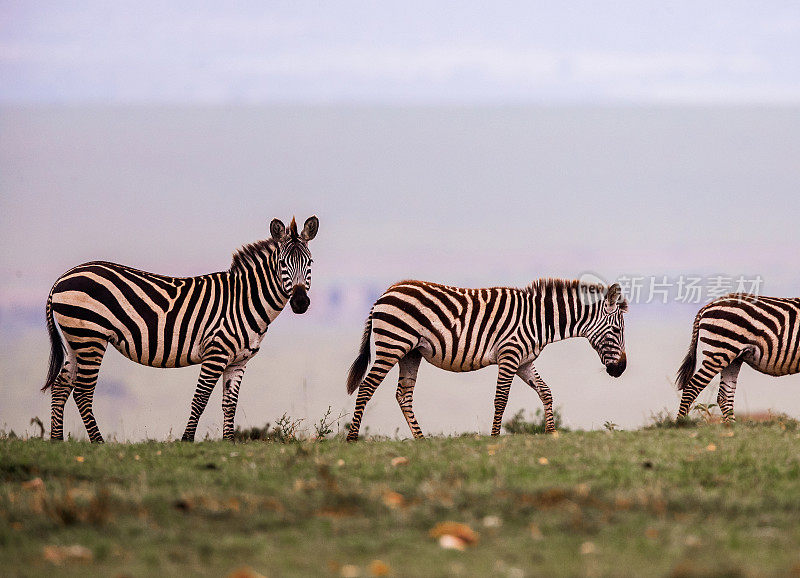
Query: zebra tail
686	370
56	347
359	367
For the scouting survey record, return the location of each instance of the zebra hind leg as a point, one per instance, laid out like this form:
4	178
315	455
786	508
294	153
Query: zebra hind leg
409	366
711	366
60	392
384	361
727	388
88	367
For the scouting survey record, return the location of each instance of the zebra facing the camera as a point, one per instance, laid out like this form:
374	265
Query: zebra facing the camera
216	320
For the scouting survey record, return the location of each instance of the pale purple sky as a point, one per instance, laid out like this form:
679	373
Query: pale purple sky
618	190
464	195
716	51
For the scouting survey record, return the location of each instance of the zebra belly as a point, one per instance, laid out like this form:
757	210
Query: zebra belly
446	360
757	355
776	369
171	361
456	367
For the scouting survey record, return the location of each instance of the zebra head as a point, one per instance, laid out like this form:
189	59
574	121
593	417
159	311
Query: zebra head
294	259
607	331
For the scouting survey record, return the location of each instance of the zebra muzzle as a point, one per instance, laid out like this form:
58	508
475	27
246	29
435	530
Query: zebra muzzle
617	368
299	300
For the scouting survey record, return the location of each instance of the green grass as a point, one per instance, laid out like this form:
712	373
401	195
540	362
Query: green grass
660	501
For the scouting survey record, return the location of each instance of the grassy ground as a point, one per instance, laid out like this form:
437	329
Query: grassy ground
664	501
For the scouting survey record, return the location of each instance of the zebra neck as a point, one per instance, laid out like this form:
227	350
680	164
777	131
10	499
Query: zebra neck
559	312
260	294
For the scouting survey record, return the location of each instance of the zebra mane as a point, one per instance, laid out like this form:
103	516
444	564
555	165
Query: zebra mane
251	252
540	285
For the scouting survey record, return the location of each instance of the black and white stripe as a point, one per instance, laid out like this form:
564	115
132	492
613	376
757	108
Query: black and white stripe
216	320
763	332
466	329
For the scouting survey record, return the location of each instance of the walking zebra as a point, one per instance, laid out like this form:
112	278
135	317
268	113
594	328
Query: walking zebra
216	320
466	329
763	332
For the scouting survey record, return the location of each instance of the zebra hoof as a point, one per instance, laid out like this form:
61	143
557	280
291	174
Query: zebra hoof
187	439
57	439
351	438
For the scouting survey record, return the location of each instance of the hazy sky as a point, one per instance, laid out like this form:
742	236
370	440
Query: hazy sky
717	51
463	195
660	128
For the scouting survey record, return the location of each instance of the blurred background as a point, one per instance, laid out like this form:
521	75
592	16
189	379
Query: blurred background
460	142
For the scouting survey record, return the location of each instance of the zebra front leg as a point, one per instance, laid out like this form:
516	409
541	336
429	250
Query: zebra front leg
711	366
409	366
727	388
505	374
88	367
531	377
231	380
210	372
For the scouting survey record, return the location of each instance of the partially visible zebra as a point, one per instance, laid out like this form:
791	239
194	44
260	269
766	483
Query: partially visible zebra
466	329
763	332
216	320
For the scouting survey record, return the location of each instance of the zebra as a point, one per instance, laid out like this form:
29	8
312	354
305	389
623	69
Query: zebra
216	320
763	332
461	329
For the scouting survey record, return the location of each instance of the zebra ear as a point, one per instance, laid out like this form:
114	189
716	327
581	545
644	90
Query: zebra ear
277	229
310	228
614	298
